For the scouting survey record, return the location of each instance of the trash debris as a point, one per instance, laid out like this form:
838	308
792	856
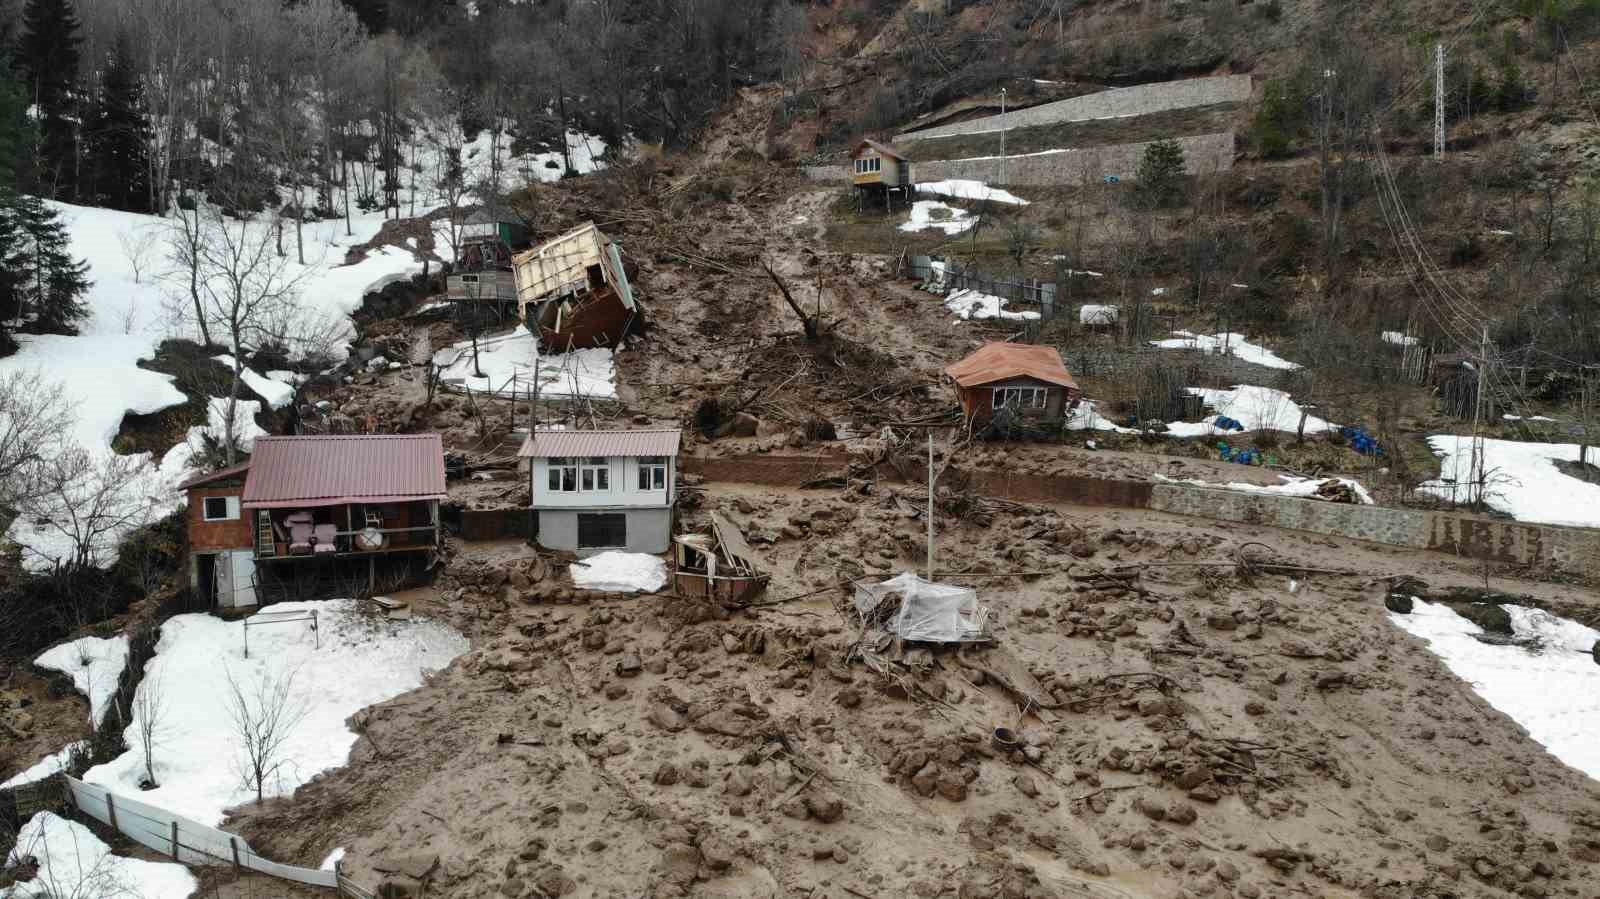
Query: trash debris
913	609
720	565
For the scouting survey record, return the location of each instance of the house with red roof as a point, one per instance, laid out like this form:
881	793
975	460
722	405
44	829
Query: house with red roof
1030	380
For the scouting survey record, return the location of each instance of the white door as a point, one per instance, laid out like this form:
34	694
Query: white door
236	579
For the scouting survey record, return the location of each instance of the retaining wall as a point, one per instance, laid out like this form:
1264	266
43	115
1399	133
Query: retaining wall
1123	101
1573	550
1202	154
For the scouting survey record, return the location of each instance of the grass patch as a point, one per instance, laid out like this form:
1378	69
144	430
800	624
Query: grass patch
1077	135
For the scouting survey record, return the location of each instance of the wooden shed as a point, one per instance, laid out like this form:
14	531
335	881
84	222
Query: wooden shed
880	169
1030	380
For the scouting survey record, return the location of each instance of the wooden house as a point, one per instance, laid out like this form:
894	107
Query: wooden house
575	292
1030	380
482	272
880	172
720	565
309	499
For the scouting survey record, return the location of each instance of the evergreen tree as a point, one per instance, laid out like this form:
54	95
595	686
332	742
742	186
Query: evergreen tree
44	286
48	56
17	136
117	139
1160	174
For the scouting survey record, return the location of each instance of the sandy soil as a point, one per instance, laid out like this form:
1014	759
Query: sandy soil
1190	733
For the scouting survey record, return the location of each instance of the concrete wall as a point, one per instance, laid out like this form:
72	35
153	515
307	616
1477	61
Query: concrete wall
828	174
1572	550
1124	101
1202	154
649	530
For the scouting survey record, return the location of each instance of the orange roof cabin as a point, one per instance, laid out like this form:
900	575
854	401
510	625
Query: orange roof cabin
317	501
1029	379
877	168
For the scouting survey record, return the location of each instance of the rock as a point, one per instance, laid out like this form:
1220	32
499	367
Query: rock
1222	622
952	786
1398	602
1152	808
926	780
850	698
1182	813
744	506
1082	549
1025	785
730	643
1487	615
629	665
1207	792
666	775
1255	707
839	855
1227	871
826	809
1193	776
740	782
666	717
717	855
742	424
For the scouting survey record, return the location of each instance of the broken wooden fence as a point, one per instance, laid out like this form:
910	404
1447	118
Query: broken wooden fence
190	842
1030	294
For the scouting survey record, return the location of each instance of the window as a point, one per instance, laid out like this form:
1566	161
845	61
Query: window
220	508
563	474
595	475
867	166
652	472
1020	397
598	531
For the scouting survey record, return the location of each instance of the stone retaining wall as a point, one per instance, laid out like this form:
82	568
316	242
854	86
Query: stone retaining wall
1572	550
1124	101
1202	154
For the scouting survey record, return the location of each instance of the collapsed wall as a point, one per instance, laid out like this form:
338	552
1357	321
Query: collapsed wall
1142	99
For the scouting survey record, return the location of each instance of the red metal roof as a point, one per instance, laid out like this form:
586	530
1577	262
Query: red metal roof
220	474
641	442
331	471
998	361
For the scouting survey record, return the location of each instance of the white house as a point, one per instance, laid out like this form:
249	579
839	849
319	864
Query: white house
598	490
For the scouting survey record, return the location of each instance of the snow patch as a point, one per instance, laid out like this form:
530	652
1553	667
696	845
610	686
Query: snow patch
1089	314
1554	693
359	662
970	304
74	862
277	393
1257	408
508	362
1400	338
94	664
1085	417
1291	486
331	863
954	220
50	765
1523	480
969	190
1225	344
620	572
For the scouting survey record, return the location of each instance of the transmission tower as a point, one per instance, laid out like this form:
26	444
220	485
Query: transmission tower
1438	101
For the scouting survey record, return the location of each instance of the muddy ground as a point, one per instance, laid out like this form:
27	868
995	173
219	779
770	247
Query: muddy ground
1192	731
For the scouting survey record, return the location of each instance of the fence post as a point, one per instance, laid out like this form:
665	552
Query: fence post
174	840
234	845
111	809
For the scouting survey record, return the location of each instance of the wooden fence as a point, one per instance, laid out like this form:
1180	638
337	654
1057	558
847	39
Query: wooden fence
1022	295
190	842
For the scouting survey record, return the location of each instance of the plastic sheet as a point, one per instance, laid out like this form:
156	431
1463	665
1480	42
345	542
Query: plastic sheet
929	612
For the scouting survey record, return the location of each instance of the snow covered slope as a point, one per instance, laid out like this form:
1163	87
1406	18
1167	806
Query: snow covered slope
1523	480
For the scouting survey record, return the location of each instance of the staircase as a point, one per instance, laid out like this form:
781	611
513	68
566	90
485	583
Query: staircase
264	542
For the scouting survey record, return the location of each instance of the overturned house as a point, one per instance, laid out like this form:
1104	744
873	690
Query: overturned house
719	565
574	291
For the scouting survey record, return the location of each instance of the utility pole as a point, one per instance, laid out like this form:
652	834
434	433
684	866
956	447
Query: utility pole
930	506
1475	467
1002	135
1438	101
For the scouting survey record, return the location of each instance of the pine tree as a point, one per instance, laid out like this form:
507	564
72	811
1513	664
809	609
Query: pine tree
1160	173
117	139
48	56
45	286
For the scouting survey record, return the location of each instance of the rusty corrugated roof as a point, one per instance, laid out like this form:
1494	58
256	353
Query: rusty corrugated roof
997	361
641	442
334	470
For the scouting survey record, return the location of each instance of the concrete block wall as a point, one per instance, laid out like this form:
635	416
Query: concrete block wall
829	173
1123	101
1202	154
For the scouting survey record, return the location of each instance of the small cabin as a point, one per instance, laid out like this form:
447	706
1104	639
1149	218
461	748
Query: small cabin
1030	380
879	169
482	274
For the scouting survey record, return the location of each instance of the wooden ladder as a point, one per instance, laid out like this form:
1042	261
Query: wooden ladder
264	542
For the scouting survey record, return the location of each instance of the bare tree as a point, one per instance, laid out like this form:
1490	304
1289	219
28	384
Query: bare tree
35	417
149	719
263	716
72	870
90	502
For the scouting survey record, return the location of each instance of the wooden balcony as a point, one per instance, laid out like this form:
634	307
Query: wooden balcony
482	287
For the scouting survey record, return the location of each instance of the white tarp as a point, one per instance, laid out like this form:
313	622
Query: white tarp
929	612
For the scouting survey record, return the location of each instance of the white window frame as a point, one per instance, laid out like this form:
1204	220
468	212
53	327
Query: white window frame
565	472
230	508
652	472
1025	397
594	475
